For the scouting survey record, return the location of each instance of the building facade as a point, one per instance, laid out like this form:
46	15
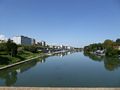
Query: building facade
3	39
33	41
22	40
42	43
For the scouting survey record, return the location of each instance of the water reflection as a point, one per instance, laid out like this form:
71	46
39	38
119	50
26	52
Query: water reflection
110	63
62	54
9	76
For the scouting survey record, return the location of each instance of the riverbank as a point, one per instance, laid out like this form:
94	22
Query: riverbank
6	59
63	70
27	60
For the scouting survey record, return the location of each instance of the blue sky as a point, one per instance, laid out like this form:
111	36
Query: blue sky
69	22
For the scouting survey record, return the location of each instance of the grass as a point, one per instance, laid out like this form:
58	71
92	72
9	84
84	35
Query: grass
7	59
3	53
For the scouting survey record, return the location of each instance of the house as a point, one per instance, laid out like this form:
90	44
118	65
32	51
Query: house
117	47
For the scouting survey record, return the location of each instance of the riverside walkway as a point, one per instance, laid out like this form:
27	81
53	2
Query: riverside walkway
46	54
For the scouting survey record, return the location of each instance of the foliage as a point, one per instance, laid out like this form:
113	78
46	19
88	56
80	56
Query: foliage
12	53
109	43
4	60
3	46
11	48
111	52
118	41
32	49
110	47
94	57
94	47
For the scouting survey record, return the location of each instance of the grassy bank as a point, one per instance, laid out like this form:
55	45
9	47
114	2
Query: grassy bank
11	53
7	59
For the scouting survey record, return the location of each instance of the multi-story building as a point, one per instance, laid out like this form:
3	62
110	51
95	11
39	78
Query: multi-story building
62	46
39	43
43	43
33	41
69	47
22	40
51	46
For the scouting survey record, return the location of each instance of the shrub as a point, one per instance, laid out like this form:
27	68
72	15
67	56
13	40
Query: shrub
32	49
112	52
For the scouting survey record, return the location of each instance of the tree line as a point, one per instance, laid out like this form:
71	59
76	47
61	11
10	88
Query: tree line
9	48
110	47
12	49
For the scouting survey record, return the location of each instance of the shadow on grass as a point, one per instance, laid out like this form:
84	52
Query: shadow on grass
4	60
21	58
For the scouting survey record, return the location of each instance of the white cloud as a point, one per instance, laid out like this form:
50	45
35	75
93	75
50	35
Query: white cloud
2	37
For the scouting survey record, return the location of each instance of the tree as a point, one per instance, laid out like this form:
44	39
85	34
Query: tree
118	41
111	52
2	46
11	48
32	49
108	43
94	47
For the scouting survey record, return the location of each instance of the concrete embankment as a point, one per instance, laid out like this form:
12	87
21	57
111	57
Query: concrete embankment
48	88
11	65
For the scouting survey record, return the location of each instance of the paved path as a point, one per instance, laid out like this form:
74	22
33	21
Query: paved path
11	65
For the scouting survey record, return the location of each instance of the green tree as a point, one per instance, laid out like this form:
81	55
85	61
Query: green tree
118	41
32	49
3	47
111	52
108	43
94	47
11	48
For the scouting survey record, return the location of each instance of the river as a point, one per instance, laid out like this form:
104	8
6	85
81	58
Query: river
70	69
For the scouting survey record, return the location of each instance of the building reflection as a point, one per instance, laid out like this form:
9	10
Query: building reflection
9	76
62	54
110	63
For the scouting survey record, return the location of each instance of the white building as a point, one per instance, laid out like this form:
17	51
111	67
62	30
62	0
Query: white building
22	40
43	43
3	38
118	47
69	47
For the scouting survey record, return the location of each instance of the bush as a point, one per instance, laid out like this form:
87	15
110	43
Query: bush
112	52
11	48
32	49
4	60
3	47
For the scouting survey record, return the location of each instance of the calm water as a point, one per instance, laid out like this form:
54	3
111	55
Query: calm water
65	70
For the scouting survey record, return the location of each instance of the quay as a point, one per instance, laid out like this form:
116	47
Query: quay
46	54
